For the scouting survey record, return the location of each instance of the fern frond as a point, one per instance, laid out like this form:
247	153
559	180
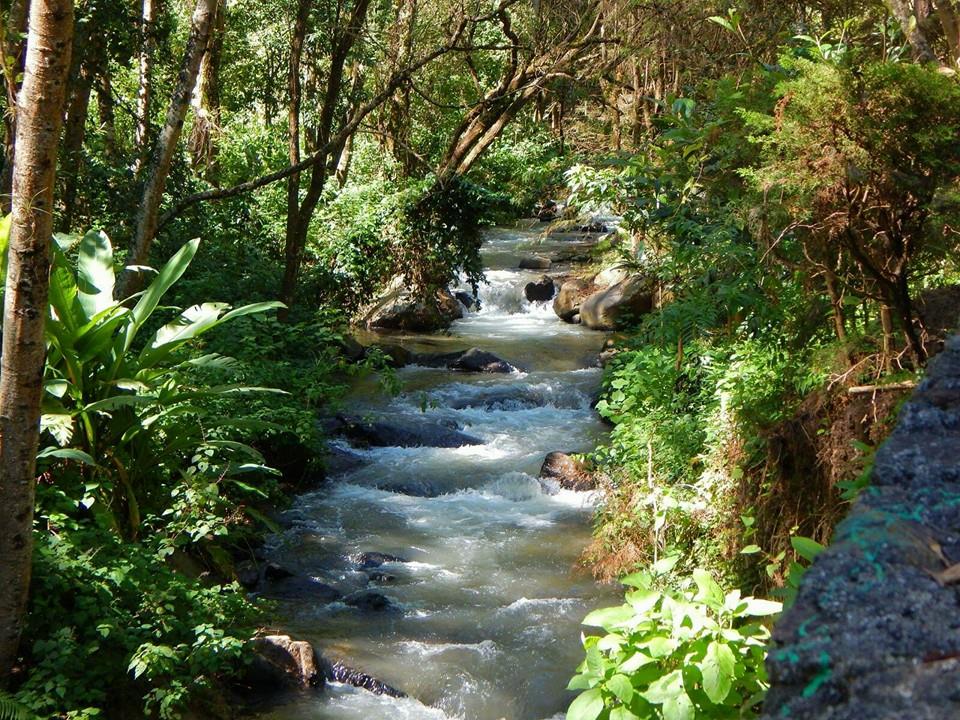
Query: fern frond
10	709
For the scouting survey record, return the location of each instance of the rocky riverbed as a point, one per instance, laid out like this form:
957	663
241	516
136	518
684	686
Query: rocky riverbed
438	561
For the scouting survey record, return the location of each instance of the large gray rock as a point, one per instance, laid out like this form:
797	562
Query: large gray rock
540	290
477	360
570	473
567	302
279	662
404	433
618	304
872	634
535	262
472	360
610	276
398	308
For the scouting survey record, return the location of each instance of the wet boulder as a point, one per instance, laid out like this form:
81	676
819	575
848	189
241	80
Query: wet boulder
470	302
594	226
370	601
540	290
613	307
398	308
338	460
338	672
279	662
570	473
610	276
567	302
351	349
535	262
384	433
477	360
297	588
547	210
368	560
381	578
395	355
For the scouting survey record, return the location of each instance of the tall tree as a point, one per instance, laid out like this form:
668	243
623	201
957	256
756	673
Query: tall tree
40	108
13	56
147	59
155	173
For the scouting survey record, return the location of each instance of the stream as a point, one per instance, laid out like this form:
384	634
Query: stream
485	616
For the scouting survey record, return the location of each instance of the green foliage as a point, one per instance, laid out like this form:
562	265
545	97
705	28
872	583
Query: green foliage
123	413
10	709
109	623
674	653
141	474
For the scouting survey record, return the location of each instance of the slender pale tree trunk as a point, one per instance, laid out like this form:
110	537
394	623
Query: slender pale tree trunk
148	52
155	172
39	118
948	11
299	213
87	61
905	12
13	48
106	113
206	101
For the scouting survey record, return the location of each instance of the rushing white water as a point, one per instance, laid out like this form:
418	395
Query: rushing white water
488	606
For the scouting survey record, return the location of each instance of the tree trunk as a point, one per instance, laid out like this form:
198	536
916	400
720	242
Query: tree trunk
905	13
948	12
148	52
76	120
106	113
886	323
836	301
155	174
39	119
206	101
298	218
13	47
293	222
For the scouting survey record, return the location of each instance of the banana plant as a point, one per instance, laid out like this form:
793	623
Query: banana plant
120	404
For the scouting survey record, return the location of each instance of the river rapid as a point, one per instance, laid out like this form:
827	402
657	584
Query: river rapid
486	612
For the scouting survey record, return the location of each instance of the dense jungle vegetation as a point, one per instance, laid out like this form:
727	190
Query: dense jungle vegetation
787	177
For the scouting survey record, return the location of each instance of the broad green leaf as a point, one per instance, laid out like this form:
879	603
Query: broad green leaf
581	681
638	580
750	550
587	706
664	688
806	548
709	591
717	670
67	454
760	608
150	298
679	707
621	687
659	646
665	565
642	601
722	22
622	713
609	617
635	662
611	642
95	276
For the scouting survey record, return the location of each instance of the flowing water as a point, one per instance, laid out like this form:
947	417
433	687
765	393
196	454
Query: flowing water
488	608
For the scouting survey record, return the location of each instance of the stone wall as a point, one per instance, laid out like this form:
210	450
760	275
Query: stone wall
873	635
